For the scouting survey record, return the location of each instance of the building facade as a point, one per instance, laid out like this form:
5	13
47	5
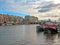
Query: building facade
31	19
7	19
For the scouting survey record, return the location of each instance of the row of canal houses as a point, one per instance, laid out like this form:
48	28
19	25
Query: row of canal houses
8	20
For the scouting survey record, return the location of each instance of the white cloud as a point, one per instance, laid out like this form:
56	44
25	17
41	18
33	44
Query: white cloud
25	6
20	6
54	1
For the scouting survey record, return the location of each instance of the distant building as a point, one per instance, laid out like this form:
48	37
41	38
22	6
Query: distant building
20	20
31	19
7	19
27	19
1	19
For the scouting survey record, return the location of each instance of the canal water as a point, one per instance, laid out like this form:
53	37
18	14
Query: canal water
26	35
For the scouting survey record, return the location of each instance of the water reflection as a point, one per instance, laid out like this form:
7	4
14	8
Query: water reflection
26	35
59	35
47	39
51	39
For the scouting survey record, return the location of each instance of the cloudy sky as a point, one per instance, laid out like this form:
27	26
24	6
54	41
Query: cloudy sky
38	8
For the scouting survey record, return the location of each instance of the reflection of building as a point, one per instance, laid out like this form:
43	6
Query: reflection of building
31	19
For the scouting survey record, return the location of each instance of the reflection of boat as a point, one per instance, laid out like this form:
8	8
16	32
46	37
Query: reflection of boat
48	27
51	39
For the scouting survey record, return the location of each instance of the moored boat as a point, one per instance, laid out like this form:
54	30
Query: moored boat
48	27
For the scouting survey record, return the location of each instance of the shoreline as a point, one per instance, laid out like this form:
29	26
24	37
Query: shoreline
19	24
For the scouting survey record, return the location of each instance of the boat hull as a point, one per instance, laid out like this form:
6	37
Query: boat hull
39	29
50	30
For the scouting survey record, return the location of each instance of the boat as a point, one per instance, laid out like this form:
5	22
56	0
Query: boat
39	29
48	27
